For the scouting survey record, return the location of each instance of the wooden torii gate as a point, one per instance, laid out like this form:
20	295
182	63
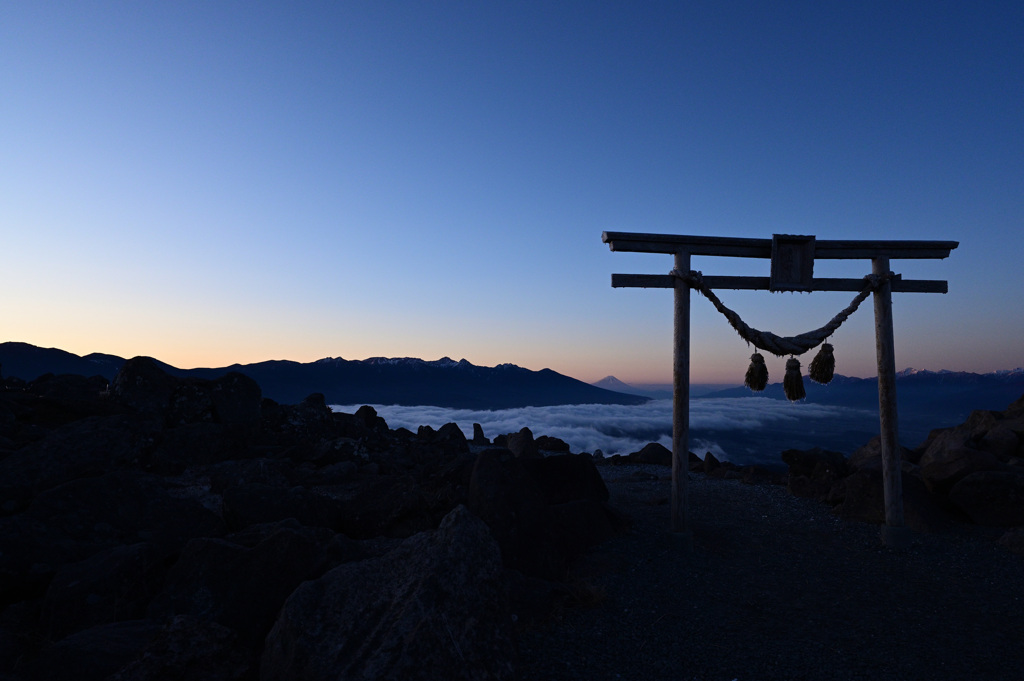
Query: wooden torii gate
792	263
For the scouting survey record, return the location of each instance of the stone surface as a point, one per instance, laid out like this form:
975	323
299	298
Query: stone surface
478	435
111	586
813	472
653	452
238	587
433	608
522	444
567	477
189	650
991	497
546	443
947	461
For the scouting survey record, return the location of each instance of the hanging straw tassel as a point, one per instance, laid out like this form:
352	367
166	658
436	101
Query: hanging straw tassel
793	383
823	365
757	373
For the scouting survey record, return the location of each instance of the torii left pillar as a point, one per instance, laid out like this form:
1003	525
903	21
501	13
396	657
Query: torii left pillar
681	397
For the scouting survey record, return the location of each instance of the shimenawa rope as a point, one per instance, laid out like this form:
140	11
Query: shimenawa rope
822	366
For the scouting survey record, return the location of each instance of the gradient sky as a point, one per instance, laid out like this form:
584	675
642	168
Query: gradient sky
218	182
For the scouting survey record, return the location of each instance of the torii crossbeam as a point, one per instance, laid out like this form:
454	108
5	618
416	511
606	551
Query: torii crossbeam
792	262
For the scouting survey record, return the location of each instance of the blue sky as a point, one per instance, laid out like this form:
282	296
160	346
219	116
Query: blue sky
212	182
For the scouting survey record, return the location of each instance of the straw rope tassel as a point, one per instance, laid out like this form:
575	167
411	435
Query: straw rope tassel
757	373
823	365
793	383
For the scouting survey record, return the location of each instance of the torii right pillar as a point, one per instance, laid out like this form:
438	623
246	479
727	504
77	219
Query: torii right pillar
894	531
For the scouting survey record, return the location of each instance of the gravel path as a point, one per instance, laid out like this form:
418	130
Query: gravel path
778	588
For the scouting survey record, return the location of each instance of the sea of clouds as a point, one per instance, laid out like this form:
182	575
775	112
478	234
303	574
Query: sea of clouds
728	427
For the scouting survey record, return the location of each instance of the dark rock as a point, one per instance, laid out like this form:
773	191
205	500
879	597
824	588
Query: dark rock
756	475
991	497
19	636
96	653
566	532
124	507
386	505
111	586
816	462
501	440
711	463
31	552
452	440
567	477
367	415
522	444
537	538
653	452
238	587
1001	441
236	400
433	608
546	443
1013	540
478	435
197	444
84	448
254	503
870	455
863	500
144	386
509	500
190	650
949	459
813	472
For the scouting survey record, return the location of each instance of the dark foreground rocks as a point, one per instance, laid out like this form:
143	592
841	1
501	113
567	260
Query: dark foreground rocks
972	473
166	528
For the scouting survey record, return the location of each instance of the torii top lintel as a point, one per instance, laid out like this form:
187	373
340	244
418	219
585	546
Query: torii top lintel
762	248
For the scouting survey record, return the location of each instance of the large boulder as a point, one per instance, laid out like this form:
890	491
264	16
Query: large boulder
870	455
84	448
510	501
546	443
197	444
384	505
452	440
991	497
124	507
863	499
190	650
653	452
433	608
96	653
239	587
522	444
567	477
544	513
110	586
252	503
949	459
813	472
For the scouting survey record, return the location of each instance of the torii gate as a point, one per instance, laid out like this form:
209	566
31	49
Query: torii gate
792	262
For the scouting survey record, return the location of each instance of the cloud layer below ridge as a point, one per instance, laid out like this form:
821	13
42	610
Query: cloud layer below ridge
722	426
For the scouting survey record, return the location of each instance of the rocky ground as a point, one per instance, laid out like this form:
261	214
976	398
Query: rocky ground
778	587
165	528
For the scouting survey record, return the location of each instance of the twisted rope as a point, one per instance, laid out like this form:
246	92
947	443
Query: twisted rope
783	345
